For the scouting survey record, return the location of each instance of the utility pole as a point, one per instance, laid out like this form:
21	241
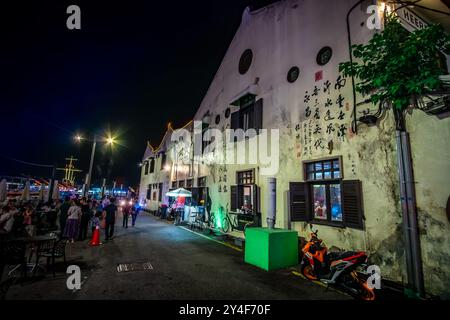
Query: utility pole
91	164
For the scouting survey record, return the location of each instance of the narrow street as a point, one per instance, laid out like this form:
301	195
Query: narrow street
185	266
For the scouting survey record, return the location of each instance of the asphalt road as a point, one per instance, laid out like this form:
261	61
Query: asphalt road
185	266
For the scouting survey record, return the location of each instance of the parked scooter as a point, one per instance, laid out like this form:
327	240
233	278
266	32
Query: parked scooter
341	269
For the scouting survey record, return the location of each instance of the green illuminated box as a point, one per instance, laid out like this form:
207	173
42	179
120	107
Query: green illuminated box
271	249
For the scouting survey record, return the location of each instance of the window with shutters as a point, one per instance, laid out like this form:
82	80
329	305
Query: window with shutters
149	192
160	189
249	115
146	167
163	161
152	165
324	177
325	198
244	196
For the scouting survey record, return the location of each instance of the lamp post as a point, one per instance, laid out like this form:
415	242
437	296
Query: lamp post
109	140
91	164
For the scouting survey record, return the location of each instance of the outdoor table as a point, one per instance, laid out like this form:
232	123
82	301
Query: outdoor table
34	243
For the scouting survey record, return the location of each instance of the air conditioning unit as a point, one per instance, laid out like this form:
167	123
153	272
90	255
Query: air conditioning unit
439	106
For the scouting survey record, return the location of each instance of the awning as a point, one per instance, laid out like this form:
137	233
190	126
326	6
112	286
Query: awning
251	90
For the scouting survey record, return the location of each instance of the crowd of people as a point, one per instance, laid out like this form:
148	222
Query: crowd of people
71	217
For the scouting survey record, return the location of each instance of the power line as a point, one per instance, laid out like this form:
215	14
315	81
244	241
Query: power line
28	163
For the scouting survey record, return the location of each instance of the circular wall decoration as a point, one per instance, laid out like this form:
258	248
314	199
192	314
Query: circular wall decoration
227	113
324	56
217	121
293	74
245	61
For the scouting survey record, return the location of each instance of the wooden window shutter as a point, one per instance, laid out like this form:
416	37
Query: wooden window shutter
195	195
234	123
234	198
352	204
256	193
258	115
299	202
152	165
149	192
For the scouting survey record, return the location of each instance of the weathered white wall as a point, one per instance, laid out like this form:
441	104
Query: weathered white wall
431	158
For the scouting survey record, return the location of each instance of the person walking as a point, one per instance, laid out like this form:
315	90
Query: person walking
126	210
73	221
95	221
134	213
109	213
84	221
63	214
30	228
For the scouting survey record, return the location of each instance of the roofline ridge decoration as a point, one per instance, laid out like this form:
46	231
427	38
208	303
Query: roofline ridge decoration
169	128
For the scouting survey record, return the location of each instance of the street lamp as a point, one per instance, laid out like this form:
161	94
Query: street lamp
109	140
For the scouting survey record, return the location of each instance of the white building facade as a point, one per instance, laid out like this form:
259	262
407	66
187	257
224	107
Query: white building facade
280	73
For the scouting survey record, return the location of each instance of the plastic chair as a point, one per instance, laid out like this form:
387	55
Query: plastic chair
42	248
58	251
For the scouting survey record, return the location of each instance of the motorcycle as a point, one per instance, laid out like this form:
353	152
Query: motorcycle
341	269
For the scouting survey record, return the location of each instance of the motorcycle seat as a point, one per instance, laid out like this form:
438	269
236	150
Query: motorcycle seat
341	255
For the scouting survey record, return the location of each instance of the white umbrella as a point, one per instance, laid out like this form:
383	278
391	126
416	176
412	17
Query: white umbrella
41	196
26	192
3	190
180	192
55	195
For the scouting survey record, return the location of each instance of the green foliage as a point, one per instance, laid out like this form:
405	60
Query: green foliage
396	65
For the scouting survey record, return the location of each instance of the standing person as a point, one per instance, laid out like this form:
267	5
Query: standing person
84	221
95	220
28	221
63	214
73	218
126	210
109	213
134	213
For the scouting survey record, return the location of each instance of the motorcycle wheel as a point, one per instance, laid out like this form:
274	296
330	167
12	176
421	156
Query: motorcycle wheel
364	292
308	272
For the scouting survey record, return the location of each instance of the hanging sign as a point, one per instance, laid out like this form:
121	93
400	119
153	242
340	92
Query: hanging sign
410	20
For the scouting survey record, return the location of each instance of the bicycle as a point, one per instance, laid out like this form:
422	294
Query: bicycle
227	222
177	217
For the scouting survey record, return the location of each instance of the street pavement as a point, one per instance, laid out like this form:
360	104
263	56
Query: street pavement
185	266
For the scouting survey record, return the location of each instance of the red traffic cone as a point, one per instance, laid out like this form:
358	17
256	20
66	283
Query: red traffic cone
95	241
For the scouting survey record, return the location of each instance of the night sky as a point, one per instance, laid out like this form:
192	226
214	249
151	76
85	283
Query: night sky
133	67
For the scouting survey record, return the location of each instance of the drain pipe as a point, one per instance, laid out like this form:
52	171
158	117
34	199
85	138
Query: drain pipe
409	209
412	216
272	202
349	39
404	206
